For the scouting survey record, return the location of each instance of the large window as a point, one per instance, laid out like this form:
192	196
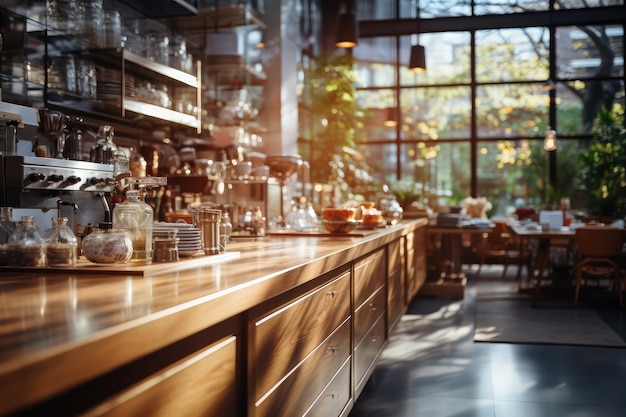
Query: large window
474	123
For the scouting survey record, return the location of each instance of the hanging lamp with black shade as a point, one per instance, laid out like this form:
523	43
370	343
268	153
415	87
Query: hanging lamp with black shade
417	61
391	117
347	34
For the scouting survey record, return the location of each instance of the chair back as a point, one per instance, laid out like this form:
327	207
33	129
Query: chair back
599	241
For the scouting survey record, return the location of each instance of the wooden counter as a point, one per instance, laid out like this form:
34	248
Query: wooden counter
62	334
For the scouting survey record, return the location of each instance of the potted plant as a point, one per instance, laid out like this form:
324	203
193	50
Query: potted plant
603	174
336	120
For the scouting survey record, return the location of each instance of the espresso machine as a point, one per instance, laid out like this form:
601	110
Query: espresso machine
49	187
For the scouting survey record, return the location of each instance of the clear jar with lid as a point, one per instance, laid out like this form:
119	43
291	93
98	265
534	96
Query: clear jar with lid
26	245
61	244
7	228
107	245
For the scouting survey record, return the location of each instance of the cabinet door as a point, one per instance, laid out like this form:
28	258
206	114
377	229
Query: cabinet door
366	353
304	384
396	300
282	338
204	384
420	258
411	273
370	273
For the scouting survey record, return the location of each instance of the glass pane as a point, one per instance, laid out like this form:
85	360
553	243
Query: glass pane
375	62
379	108
440	8
375	9
447	58
581	4
440	171
511	110
514	174
589	51
436	113
482	7
512	54
382	161
578	103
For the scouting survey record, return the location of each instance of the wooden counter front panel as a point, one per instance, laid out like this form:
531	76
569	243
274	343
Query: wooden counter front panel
411	272
305	383
366	353
367	314
281	338
369	274
396	300
335	397
201	385
420	257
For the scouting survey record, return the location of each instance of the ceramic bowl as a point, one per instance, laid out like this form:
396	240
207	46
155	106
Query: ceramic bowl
343	214
339	226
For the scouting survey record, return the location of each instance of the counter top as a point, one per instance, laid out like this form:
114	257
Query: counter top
58	330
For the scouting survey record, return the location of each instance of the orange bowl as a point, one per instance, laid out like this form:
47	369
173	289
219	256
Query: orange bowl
343	214
339	226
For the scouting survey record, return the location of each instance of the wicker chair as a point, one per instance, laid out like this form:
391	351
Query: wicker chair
599	249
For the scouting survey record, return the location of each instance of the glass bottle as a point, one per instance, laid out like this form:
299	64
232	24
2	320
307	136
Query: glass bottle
26	244
107	245
7	228
61	243
137	217
226	229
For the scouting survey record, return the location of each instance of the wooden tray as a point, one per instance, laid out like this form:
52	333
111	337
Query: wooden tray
86	267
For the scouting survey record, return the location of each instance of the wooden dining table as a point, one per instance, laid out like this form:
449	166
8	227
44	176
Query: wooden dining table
544	241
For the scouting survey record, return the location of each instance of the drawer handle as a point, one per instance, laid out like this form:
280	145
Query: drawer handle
373	306
374	338
331	294
334	396
332	349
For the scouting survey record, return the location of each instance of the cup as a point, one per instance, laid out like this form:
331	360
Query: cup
8	140
208	221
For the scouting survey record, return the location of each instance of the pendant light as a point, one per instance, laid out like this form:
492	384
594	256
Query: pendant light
417	62
549	143
391	117
347	34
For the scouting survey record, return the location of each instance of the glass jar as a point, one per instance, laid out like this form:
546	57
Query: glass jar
107	245
26	245
61	243
137	217
104	150
226	229
7	228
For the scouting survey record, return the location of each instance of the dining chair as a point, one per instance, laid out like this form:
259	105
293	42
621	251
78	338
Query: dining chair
599	249
494	246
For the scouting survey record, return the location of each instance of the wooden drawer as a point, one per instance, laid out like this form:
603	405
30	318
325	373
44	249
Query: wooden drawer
204	384
366	353
368	313
335	397
396	302
304	384
280	340
370	273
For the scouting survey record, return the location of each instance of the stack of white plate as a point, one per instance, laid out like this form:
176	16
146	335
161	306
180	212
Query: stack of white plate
189	242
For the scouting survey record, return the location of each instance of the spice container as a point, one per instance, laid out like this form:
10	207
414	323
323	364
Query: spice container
166	248
61	244
26	244
106	245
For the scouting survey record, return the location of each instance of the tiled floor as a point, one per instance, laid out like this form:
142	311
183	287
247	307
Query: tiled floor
431	367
